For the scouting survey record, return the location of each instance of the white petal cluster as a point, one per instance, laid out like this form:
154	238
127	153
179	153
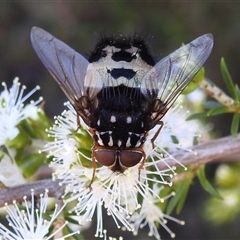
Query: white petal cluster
150	214
28	222
10	173
13	111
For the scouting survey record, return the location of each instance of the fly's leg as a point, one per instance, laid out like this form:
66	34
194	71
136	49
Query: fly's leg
94	166
157	133
142	162
78	123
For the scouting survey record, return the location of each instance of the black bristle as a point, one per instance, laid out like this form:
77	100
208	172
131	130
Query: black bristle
122	42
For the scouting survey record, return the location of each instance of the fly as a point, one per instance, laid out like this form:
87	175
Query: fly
120	92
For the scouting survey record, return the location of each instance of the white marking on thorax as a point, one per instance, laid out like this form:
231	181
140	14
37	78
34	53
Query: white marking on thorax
113	119
128	143
140	70
110	143
129	119
103	65
119	143
138	144
100	142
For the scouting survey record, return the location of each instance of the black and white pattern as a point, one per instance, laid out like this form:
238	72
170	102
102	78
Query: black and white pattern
122	64
120	92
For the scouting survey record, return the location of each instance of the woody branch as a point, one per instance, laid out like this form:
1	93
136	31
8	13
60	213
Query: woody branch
216	150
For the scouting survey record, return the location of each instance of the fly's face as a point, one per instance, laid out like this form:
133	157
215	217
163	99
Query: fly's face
118	160
120	92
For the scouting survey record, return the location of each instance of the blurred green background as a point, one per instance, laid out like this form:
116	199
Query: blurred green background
78	23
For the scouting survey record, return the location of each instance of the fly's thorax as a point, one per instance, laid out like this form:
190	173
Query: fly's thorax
122	61
121	118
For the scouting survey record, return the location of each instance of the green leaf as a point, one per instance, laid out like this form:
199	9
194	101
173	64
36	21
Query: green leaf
194	83
70	219
36	128
237	93
174	139
227	78
31	163
1	156
235	124
84	160
180	196
184	196
40	125
84	139
190	88
199	76
217	110
28	128
75	236
206	184
20	141
197	116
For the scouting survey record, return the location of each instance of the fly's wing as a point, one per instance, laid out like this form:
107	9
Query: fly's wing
168	78
70	69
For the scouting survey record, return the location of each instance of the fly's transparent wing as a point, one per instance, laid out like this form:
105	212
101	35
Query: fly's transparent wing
168	78
70	69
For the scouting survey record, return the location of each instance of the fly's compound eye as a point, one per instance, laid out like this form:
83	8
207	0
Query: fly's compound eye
130	158
122	158
105	156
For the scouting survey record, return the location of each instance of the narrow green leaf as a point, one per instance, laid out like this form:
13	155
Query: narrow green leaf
184	196
190	88
35	128
193	85
28	128
227	78
84	139
70	219
235	124
1	156
181	192
199	76
217	110
174	139
20	141
197	116
75	236
31	163
237	92
206	184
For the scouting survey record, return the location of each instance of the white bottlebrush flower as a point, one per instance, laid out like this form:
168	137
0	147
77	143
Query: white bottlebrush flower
10	173
150	214
120	194
63	148
29	223
175	134
13	111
